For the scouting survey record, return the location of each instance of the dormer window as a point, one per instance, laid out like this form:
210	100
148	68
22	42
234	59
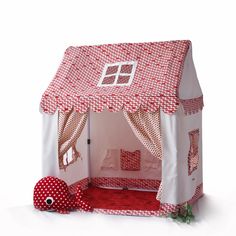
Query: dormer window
118	74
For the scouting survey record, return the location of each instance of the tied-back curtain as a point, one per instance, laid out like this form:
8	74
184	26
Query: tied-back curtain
146	126
70	127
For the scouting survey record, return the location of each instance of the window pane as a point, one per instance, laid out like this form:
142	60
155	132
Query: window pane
108	80
118	74
126	69
111	70
123	79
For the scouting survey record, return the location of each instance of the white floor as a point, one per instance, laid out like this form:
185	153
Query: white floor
211	218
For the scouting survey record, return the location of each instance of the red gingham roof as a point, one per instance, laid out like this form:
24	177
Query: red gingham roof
155	83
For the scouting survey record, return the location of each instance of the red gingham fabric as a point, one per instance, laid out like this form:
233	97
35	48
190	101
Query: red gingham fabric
155	84
130	160
192	106
146	127
70	127
151	184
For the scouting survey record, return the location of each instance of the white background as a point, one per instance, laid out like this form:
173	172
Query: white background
33	37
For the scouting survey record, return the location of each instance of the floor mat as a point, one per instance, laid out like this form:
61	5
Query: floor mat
115	199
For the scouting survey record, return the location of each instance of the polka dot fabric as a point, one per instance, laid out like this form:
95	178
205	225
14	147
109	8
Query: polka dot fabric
130	160
52	194
146	127
155	84
115	182
70	127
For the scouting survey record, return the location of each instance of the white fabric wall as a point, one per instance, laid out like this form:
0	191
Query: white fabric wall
178	187
189	86
111	131
50	164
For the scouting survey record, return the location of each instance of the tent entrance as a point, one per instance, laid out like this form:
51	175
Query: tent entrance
117	157
123	175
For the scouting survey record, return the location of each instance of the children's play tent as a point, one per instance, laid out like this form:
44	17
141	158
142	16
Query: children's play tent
125	122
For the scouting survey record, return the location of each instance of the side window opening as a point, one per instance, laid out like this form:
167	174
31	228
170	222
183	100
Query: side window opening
193	155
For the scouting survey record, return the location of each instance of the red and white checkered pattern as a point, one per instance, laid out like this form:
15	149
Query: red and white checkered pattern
128	212
155	84
151	184
146	127
192	106
130	160
70	127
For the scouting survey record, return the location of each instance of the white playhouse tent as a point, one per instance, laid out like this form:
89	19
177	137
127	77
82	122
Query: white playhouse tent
125	122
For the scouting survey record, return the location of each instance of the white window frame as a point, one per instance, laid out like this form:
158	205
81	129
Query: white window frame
118	73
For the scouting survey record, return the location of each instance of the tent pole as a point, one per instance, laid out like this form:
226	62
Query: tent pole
88	146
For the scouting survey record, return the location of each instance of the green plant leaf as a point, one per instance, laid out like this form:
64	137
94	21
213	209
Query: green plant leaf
184	214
